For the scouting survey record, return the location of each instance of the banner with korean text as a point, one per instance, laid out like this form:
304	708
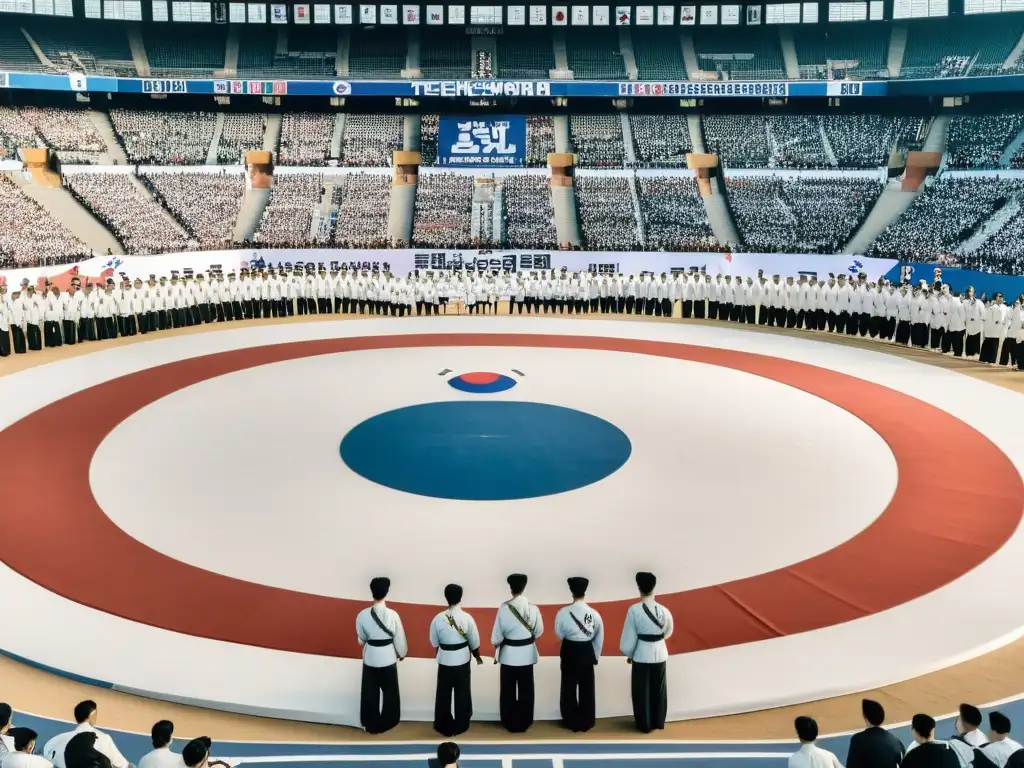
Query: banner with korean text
482	142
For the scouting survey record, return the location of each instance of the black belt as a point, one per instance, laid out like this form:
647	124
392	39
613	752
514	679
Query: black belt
650	638
380	643
453	646
517	643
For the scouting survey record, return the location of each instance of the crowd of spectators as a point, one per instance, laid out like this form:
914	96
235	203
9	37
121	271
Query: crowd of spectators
606	213
134	217
799	215
529	216
1003	253
206	204
370	140
289	213
946	213
660	141
741	141
241	133
978	141
443	215
540	140
363	201
797	142
428	139
15	132
65	130
29	235
866	141
483	66
673	214
305	138
164	138
598	140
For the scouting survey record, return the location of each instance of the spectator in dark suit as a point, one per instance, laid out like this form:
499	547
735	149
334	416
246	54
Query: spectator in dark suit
874	747
926	752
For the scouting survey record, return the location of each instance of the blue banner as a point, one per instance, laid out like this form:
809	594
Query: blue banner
958	279
482	142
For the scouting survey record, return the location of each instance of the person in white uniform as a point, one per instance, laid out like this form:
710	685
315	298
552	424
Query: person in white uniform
24	746
161	756
454	634
1000	746
85	716
380	633
646	628
581	631
517	626
995	328
6	317
810	755
6	740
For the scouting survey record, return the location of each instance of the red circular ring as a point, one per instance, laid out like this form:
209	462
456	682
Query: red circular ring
905	553
480	378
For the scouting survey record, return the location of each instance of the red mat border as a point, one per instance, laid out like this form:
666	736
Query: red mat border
957	501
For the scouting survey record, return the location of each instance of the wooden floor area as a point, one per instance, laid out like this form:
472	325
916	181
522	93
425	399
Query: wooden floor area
995	676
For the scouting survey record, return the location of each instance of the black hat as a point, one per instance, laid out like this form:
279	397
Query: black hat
923	725
873	712
970	714
517	583
453	594
998	722
379	587
578	585
646	582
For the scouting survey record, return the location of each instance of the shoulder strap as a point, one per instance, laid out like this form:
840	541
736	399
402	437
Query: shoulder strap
651	616
456	627
519	617
384	628
579	624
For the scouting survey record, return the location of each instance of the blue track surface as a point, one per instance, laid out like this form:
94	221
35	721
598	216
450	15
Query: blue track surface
561	754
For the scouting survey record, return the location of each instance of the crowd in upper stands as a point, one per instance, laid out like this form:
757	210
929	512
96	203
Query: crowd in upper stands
443	211
205	204
529	216
363	200
30	235
164	138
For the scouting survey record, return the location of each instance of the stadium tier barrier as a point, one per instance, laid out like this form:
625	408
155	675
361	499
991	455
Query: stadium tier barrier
404	261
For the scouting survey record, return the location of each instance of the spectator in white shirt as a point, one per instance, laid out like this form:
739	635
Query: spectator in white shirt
810	755
85	716
1000	746
161	756
968	725
6	740
24	746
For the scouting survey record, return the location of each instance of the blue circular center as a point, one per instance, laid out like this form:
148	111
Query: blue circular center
481	450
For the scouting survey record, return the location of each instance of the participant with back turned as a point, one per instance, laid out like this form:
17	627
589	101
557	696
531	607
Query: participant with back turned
648	625
380	632
874	747
454	634
582	634
516	629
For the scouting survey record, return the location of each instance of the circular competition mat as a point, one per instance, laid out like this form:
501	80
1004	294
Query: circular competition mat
814	513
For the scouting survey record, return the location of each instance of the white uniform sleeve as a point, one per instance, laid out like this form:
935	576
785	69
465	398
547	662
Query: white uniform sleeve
538	624
401	643
435	641
473	635
598	641
669	623
106	746
628	641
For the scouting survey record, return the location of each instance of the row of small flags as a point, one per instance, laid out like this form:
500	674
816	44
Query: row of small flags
252	87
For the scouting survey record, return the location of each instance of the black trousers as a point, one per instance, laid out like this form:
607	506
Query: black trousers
947	341
956	343
919	334
989	349
516	698
69	331
51	333
650	696
749	311
973	345
687	308
762	314
1008	355
712	310
106	328
903	332
5	343
18	340
698	309
577	694
865	323
630	300
936	338
35	338
620	304
791	318
380	705
453	700
87	329
877	323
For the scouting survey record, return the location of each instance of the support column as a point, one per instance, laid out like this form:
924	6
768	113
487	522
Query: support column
404	181
563	198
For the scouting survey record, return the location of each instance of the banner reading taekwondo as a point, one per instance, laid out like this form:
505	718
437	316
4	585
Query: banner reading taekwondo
482	142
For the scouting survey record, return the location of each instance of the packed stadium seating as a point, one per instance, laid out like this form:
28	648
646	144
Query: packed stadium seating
1002	253
529	217
606	213
660	141
428	139
442	218
947	212
741	141
594	54
540	140
977	141
866	141
799	215
289	214
206	204
134	217
525	54
241	133
598	140
857	50
15	132
29	235
741	53
370	140
673	214
797	142
164	138
305	138
65	130
363	200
